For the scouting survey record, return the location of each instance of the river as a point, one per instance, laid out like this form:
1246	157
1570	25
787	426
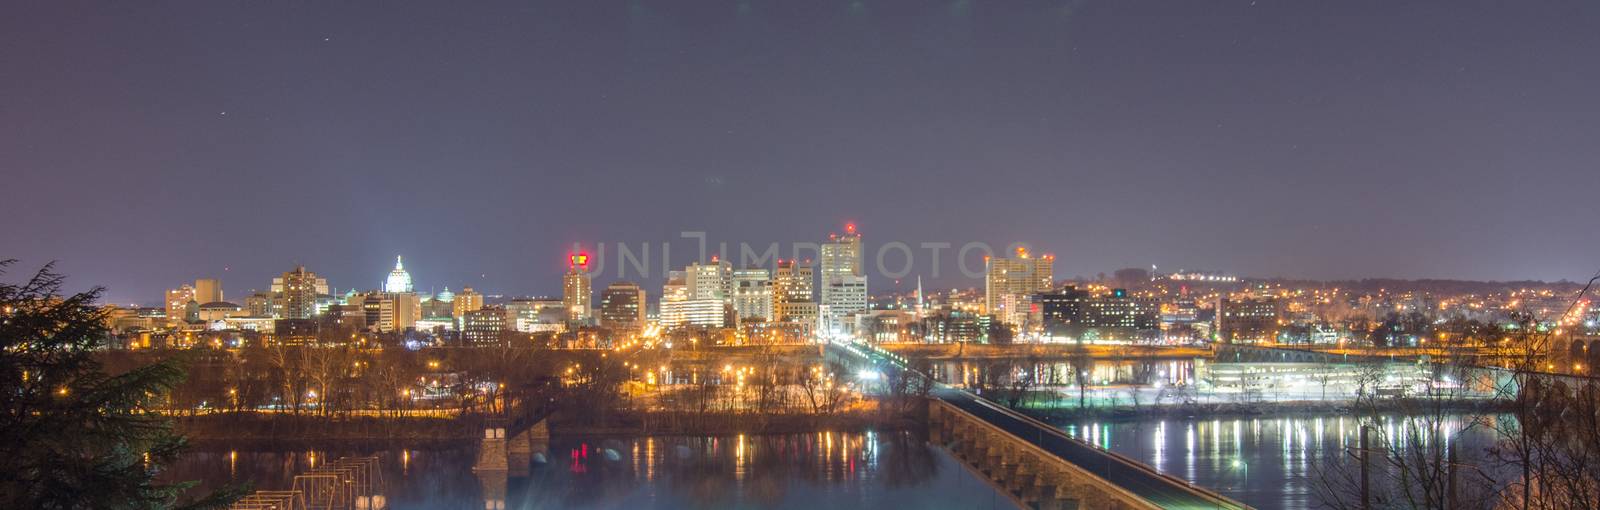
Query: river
1265	462
798	471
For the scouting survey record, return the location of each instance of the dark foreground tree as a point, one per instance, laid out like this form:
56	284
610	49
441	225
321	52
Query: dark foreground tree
71	435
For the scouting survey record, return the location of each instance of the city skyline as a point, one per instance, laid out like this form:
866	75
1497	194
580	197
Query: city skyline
485	139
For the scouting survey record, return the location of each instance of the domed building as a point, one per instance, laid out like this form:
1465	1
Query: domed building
399	280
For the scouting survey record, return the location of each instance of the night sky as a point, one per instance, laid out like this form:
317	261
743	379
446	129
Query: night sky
145	144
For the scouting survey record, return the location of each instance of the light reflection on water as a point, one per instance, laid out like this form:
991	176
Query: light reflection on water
798	471
1266	462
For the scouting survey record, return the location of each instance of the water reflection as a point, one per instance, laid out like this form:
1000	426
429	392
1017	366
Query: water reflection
821	470
1264	462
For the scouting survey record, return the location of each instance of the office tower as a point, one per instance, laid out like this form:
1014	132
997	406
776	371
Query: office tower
399	280
467	301
752	294
389	312
575	288
793	299
844	285
484	327
407	309
622	306
299	291
700	295
207	290
177	303
1011	283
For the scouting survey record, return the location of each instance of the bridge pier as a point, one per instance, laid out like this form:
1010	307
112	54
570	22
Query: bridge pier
492	450
501	449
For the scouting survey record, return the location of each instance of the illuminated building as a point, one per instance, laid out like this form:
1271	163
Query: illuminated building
390	312
344	318
700	295
399	280
884	326
295	331
218	310
439	306
485	326
1073	314
263	304
752	294
1011	283
300	289
536	315
844	284
177	303
468	300
793	299
318	285
1247	320
575	292
623	306
207	290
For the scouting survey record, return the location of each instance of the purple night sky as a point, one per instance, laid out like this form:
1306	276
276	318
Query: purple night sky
146	144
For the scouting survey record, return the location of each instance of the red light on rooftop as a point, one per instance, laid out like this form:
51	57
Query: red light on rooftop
579	260
850	228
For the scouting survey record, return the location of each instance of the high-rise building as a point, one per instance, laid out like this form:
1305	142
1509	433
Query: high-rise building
575	288
207	290
710	281
177	303
1011	283
792	295
389	312
300	289
700	295
623	306
399	280
752	294
844	284
468	300
319	285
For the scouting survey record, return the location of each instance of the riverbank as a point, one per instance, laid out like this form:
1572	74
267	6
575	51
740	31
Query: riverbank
288	429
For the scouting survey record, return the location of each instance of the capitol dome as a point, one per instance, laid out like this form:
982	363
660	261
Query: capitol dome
399	279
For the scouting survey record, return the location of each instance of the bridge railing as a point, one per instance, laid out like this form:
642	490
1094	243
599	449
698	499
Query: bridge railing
1214	499
1219	500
